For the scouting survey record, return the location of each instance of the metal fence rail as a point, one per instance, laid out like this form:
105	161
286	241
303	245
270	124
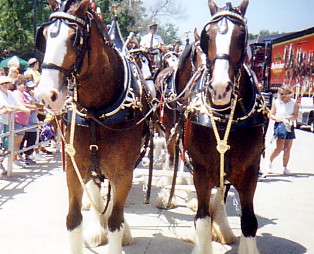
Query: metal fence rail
11	135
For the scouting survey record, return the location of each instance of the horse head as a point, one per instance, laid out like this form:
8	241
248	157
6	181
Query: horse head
65	42
224	41
170	59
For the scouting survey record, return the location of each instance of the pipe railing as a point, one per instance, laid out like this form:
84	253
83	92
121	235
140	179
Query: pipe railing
11	135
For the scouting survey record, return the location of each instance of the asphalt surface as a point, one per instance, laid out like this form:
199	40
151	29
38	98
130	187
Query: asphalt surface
33	207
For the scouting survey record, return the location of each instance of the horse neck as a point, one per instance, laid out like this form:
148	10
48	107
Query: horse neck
103	81
187	68
247	90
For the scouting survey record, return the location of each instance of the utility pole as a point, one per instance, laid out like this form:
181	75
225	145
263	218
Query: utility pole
35	23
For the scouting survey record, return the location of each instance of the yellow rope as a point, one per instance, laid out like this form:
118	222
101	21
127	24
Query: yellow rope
70	150
222	144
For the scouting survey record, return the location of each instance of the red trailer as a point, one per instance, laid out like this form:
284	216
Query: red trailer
288	59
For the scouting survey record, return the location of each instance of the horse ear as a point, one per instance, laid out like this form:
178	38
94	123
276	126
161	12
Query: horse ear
82	9
243	6
212	7
204	41
196	35
54	4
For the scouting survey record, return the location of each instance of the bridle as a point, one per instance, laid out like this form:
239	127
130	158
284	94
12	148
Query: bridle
81	40
236	19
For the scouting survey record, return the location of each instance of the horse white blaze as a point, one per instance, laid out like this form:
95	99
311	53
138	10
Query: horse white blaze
203	236
221	77
145	69
55	52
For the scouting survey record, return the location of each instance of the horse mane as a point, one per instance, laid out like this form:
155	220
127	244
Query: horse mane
71	6
184	56
204	41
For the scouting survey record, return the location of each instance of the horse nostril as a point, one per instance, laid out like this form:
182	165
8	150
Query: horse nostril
54	96
229	87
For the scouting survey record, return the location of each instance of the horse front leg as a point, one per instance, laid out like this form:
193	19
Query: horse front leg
203	235
119	232
95	233
248	219
74	217
221	229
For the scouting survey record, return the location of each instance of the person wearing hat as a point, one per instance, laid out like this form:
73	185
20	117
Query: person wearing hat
32	70
21	119
13	74
154	43
152	40
30	135
8	104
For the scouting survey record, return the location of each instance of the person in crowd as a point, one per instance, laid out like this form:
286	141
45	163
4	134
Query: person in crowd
32	70
2	72
13	74
21	119
8	104
284	111
31	134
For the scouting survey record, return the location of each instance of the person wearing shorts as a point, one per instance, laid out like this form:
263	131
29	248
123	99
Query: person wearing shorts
284	111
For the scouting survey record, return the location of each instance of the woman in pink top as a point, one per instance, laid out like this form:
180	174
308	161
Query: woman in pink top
21	119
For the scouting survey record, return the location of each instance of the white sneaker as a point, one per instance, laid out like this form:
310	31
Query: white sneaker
17	165
286	171
270	168
37	157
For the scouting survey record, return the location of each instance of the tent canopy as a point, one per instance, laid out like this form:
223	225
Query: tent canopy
14	61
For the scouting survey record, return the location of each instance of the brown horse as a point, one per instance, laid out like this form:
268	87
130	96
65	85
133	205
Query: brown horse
171	86
109	108
226	103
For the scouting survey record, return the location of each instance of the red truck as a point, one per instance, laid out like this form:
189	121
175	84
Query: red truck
288	59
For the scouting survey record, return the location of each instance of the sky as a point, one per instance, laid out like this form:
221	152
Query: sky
272	15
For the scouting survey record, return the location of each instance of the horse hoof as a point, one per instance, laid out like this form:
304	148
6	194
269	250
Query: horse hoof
95	237
223	238
161	200
127	235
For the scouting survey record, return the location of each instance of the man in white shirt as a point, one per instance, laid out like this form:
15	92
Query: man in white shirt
154	43
152	40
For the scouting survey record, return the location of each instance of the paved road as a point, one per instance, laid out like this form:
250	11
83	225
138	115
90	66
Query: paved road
33	206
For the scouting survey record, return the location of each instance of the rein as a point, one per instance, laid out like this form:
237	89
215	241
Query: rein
70	150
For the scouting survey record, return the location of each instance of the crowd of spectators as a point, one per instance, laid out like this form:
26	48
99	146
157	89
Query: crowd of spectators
17	97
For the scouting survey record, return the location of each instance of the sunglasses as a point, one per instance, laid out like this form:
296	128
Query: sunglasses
285	94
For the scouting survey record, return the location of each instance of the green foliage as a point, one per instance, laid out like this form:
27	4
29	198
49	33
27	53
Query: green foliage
17	26
168	33
17	23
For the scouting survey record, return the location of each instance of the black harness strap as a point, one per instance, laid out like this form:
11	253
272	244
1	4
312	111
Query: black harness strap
94	169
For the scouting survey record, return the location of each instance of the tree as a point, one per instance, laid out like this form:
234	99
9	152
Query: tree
169	33
16	26
17	21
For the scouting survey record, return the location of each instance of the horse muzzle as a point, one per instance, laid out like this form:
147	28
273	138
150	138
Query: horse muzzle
52	99
220	92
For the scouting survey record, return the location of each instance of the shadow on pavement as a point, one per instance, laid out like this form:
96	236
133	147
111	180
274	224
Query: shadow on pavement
22	178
